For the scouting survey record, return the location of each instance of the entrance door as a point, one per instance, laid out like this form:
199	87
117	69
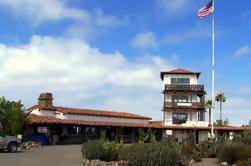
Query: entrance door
111	134
197	136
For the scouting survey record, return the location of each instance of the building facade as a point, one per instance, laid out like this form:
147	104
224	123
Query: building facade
62	125
183	103
183	116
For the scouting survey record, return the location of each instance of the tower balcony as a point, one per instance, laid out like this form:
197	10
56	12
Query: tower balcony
192	106
184	88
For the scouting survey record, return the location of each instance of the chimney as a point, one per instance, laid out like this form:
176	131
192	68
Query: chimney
45	100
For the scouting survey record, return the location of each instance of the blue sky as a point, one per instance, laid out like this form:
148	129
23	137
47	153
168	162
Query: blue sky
108	54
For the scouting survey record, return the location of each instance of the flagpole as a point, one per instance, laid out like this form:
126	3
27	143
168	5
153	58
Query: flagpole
213	101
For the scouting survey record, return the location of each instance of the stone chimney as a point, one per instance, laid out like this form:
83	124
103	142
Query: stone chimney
45	100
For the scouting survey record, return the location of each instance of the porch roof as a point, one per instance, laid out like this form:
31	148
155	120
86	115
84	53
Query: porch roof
36	119
222	128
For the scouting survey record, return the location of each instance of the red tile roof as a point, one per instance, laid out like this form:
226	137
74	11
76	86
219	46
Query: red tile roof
222	128
92	112
36	119
179	71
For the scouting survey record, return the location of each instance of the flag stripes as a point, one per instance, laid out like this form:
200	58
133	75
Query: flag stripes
206	10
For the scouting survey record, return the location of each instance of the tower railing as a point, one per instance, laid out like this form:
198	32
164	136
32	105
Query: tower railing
174	87
189	105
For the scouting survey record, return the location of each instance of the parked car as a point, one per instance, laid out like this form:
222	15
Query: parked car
10	143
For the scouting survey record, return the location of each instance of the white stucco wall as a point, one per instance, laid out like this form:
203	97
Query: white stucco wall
184	134
167	78
194	116
203	136
87	117
168	118
181	134
104	119
43	112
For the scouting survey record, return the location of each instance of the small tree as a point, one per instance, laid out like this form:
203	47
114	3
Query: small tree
226	122
209	106
12	117
220	97
148	135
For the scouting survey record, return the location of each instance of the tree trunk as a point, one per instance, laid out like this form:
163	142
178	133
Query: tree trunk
221	112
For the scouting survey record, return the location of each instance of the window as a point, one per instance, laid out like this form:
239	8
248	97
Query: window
179	118
92	132
180	98
74	129
201	116
180	81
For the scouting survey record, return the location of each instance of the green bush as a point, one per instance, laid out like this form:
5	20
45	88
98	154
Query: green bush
233	152
111	150
93	150
104	151
124	153
153	154
208	149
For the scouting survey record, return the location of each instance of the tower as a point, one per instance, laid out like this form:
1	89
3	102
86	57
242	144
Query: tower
184	99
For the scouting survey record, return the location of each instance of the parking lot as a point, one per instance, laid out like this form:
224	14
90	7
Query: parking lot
60	155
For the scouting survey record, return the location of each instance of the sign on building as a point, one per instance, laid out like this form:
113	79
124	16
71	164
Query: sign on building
42	129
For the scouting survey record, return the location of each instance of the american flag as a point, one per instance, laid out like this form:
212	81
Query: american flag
206	10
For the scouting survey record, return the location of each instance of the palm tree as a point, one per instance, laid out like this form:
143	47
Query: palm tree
220	97
209	106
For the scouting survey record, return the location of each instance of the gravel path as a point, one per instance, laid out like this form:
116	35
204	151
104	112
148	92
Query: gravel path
60	155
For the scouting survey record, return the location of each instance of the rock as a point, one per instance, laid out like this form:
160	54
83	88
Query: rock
224	163
191	162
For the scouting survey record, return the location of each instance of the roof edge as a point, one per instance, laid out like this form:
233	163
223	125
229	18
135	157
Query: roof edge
56	108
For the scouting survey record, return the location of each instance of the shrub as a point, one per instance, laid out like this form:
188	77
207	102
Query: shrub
187	150
124	153
208	149
153	154
104	151
244	138
93	150
111	150
232	152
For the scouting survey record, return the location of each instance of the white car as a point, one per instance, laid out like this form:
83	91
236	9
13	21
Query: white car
10	143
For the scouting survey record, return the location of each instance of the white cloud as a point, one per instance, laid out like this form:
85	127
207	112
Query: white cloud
108	20
40	11
79	74
175	7
100	23
145	40
236	109
242	51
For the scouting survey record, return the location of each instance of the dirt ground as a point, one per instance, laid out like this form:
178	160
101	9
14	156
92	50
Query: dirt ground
207	162
60	155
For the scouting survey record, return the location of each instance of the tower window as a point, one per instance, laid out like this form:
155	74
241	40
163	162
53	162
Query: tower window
180	98
201	116
180	81
179	118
